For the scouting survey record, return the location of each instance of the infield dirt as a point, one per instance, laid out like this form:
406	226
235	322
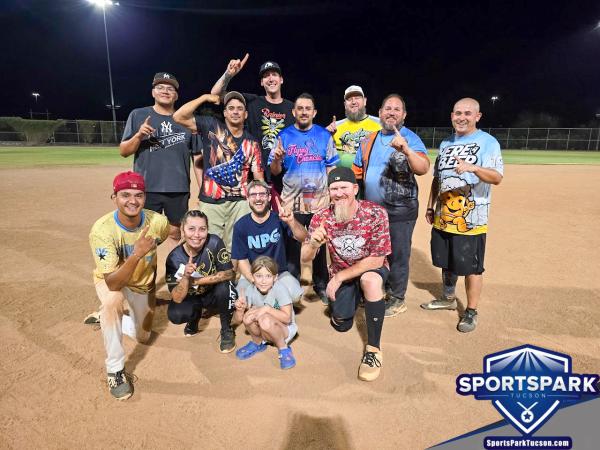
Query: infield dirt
541	287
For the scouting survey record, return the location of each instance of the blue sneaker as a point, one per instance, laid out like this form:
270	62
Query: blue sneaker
249	350
286	358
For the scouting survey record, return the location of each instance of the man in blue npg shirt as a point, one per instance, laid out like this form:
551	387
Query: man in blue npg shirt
387	162
262	233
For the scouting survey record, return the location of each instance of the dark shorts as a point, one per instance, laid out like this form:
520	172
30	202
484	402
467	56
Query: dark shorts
460	254
347	297
174	205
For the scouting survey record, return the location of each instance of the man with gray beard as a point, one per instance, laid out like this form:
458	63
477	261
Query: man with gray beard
386	163
356	233
348	133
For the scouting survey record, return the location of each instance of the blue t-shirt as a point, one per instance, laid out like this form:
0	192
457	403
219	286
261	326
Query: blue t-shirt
389	181
307	156
252	239
464	200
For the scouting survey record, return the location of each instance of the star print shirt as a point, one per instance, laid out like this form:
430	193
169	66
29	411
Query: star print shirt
112	243
226	161
366	234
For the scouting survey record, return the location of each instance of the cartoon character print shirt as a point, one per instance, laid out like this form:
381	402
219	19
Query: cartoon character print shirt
226	161
366	234
464	200
389	180
265	121
112	243
163	159
213	258
308	154
349	136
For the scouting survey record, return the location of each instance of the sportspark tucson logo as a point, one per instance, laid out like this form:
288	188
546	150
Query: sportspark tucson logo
527	384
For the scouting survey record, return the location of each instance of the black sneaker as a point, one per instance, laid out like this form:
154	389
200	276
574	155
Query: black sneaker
227	344
191	328
119	385
468	322
322	294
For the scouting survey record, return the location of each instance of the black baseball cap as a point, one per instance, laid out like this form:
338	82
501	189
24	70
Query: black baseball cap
269	65
165	78
341	174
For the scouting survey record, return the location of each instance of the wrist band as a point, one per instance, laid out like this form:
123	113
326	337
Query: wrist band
430	209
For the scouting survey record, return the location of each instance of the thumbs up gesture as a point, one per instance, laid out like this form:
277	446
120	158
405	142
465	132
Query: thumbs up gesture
332	127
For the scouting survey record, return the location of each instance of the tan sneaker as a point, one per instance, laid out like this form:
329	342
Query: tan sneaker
370	366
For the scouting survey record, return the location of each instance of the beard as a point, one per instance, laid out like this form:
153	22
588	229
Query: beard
356	116
260	211
342	212
390	127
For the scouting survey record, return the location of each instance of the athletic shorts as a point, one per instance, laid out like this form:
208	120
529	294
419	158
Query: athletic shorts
460	254
174	205
347	297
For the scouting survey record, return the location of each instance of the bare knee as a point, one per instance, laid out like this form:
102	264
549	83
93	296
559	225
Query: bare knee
174	232
371	284
265	323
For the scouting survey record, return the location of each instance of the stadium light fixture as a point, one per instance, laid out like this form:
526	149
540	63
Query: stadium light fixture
106	4
35	95
494	99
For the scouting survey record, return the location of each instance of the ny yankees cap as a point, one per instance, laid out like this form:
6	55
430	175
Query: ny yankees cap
165	77
269	65
128	180
233	94
353	90
341	174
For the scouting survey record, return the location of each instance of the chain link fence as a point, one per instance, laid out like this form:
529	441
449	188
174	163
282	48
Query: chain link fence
97	132
582	139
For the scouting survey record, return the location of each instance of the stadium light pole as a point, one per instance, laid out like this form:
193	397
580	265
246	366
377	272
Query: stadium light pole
35	95
494	99
105	4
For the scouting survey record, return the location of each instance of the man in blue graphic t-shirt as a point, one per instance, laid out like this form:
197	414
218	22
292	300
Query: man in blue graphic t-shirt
262	233
305	154
387	162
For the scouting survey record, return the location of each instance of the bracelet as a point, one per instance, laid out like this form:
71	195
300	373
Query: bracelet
430	209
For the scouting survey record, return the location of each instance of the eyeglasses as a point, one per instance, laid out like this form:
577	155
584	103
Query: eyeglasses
258	195
261	276
161	88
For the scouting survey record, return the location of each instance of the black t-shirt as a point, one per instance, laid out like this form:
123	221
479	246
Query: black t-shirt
265	121
163	159
213	258
226	160
251	239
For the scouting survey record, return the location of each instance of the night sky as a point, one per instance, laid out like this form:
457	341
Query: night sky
536	56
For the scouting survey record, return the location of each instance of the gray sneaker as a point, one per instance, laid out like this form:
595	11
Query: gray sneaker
468	322
395	306
441	303
119	385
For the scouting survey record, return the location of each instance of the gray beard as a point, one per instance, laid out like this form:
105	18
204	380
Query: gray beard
358	115
390	128
342	212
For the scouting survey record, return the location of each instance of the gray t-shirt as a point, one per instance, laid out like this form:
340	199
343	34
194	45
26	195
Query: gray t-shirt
163	159
277	297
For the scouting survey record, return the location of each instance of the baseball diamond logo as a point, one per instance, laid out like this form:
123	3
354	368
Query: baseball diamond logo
527	384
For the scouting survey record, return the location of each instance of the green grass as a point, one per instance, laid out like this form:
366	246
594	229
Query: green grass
88	156
537	157
61	156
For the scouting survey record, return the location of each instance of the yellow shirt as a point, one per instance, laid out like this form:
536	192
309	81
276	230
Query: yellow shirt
349	135
112	243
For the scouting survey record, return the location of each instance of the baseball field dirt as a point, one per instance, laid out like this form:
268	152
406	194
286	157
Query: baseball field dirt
541	287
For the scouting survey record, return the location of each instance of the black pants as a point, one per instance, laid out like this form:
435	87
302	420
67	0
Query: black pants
222	296
292	249
401	236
